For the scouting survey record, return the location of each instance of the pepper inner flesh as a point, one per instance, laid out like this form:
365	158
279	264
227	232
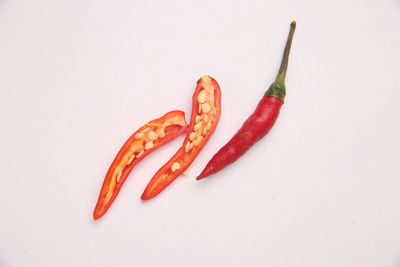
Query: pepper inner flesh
145	140
200	127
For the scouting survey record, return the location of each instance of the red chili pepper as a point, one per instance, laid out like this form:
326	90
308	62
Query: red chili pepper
206	111
258	124
145	140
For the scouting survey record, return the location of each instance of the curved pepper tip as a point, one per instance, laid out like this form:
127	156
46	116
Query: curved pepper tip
98	212
198	178
96	216
207	171
145	197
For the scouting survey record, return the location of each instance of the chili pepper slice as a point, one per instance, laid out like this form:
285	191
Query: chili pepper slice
258	124
145	140
206	112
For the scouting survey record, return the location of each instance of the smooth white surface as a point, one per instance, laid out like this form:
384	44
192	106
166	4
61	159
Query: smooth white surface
78	77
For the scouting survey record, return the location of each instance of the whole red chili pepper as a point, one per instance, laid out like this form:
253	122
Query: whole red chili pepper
258	124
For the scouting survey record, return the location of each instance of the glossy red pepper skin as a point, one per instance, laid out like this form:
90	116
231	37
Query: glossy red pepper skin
205	128
254	128
133	151
258	124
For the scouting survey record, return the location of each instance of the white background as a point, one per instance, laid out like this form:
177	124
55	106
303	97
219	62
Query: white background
78	77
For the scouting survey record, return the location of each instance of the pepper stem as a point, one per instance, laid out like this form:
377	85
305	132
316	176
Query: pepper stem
277	89
285	59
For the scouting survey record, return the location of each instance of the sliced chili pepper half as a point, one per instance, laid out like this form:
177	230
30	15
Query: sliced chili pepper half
145	140
206	112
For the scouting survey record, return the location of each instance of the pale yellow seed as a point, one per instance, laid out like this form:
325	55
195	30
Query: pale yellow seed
191	145
202	96
175	166
205	118
139	148
204	130
152	135
133	148
208	126
200	108
160	132
131	159
139	136
198	118
198	140
187	147
197	126
119	176
148	145
192	136
140	154
205	107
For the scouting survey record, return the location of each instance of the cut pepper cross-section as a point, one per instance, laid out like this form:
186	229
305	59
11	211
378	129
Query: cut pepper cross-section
206	111
145	140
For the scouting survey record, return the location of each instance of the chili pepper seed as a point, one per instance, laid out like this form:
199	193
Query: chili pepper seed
148	145
201	98
175	166
140	153
198	118
119	175
198	140
187	147
160	132
131	159
139	136
192	136
208	126
197	126
205	107
152	136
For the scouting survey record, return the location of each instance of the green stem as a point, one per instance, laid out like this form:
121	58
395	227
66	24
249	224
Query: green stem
285	59
278	89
